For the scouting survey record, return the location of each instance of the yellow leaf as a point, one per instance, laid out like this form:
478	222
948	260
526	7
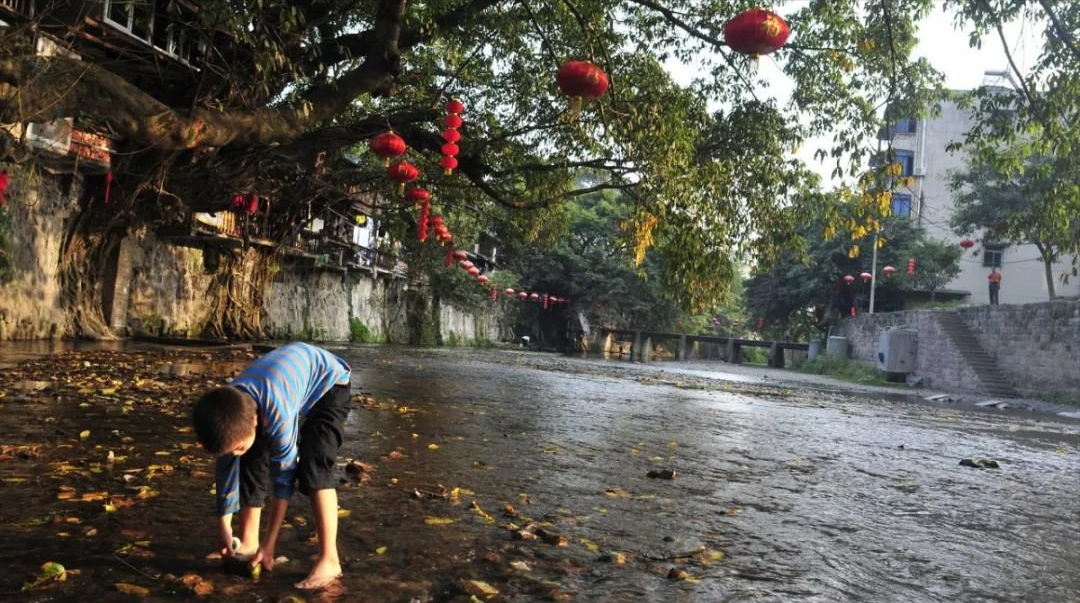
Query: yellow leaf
132	589
380	551
344	512
635	451
433	446
108	392
592	546
438	521
84	434
477	588
110	508
455	493
716	555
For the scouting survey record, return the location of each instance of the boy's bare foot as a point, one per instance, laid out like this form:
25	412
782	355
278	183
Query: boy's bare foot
326	570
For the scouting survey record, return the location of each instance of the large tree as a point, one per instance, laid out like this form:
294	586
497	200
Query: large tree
1011	208
288	91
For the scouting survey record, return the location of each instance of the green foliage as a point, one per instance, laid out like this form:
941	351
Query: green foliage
795	296
1012	206
844	369
359	332
755	355
593	263
1025	135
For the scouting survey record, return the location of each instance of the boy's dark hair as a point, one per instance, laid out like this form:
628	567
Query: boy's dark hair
222	417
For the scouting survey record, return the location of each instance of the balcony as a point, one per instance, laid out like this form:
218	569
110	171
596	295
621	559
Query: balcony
22	8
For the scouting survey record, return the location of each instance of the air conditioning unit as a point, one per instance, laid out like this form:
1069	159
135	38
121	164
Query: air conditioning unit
920	170
53	135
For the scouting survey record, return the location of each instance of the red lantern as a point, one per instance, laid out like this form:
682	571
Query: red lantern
545	302
448	164
387	145
467	264
417	195
461	255
853	311
582	79
474	271
482	279
3	185
967	243
523	296
756	32
508	291
911	267
849	279
889	270
534	296
866	276
403	172
252	204
450	149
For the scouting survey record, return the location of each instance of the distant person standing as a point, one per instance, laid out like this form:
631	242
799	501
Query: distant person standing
995	285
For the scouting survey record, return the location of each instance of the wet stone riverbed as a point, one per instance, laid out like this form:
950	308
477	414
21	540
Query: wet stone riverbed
508	476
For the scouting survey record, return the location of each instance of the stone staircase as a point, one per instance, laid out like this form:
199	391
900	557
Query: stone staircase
980	363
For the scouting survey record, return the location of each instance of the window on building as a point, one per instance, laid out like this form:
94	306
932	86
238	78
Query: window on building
906	159
992	256
901	205
133	16
906	126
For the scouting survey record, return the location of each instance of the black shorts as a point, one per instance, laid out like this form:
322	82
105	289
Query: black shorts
321	434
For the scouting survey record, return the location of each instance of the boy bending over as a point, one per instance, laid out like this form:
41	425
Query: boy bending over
278	423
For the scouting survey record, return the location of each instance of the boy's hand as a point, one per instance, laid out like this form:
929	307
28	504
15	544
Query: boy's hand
264	556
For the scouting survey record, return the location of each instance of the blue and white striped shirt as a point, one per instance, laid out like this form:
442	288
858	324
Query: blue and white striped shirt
286	384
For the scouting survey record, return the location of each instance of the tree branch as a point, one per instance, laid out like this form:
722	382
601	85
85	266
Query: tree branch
1059	29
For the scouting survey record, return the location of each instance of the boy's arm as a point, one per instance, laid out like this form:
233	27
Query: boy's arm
227	485
265	554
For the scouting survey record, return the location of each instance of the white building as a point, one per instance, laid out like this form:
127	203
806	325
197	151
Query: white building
921	148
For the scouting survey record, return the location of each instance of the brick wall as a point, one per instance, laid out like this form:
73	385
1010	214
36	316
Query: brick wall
1036	346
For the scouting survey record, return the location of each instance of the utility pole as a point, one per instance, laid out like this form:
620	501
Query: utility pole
873	270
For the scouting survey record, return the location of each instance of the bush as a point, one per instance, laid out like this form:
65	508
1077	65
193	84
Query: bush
756	355
843	369
358	331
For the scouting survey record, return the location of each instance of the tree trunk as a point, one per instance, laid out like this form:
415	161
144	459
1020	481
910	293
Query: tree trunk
237	296
1048	265
84	256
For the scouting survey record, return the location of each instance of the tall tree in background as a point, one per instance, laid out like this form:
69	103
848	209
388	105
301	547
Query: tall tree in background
1012	206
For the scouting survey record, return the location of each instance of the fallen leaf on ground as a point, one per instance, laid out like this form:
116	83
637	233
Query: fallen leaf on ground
84	434
592	546
50	570
132	589
433	446
380	551
480	589
438	521
344	512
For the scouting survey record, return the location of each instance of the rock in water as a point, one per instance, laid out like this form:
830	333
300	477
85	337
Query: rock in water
662	474
980	462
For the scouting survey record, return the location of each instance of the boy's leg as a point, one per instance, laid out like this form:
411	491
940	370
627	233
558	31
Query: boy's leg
254	488
320	439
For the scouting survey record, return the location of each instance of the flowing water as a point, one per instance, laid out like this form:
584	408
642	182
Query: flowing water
809	495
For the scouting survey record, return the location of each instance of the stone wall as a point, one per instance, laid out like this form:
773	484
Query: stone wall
1036	346
36	208
160	289
167	290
